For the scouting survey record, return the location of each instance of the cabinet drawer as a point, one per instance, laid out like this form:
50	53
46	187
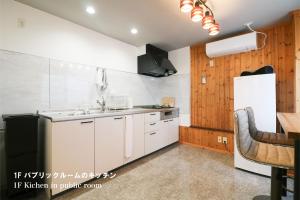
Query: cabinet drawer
152	117
152	126
152	141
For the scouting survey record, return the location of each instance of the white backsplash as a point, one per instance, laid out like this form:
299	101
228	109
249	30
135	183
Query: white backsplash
30	83
175	86
24	83
71	85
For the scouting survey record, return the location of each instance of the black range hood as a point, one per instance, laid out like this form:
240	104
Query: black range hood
155	63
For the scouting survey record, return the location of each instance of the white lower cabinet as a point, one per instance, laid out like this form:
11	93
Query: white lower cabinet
96	146
169	131
173	135
153	141
160	134
135	144
71	151
165	132
109	143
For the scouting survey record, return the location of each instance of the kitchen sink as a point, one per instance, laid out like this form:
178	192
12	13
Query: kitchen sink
74	113
89	112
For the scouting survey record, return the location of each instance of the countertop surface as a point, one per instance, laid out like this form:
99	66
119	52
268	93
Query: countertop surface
68	115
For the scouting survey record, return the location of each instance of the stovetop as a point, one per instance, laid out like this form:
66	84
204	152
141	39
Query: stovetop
154	106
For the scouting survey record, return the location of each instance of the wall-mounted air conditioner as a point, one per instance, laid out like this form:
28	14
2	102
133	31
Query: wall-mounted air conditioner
233	45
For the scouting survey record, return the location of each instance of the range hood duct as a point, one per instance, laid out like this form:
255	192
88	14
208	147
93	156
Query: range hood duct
155	63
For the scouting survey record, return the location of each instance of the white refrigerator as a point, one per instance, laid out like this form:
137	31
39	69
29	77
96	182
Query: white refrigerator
259	92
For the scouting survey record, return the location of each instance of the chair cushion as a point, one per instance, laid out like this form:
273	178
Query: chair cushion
274	138
266	137
274	155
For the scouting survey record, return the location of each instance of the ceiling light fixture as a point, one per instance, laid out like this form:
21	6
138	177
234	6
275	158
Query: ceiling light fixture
197	13
134	31
215	29
207	21
90	10
186	5
197	8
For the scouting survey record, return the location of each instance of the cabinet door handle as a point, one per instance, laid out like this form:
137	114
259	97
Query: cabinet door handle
152	113
152	124
166	121
170	120
116	118
153	133
86	122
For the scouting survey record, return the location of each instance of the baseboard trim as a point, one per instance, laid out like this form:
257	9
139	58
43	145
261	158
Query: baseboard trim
207	148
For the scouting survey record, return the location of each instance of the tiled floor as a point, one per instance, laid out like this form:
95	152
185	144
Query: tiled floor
179	172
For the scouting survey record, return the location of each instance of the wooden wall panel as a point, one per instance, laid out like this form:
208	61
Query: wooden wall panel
212	103
296	28
207	139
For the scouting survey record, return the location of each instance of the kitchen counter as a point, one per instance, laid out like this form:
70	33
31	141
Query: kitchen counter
68	115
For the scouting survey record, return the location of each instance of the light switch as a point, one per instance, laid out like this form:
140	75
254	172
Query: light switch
211	62
20	23
203	79
219	139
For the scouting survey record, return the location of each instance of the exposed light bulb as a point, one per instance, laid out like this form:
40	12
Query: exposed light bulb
207	21
214	30
197	13
186	5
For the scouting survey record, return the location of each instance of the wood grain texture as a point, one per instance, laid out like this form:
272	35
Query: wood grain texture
212	103
290	124
296	28
207	139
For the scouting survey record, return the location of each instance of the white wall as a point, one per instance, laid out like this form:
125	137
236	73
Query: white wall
52	37
181	59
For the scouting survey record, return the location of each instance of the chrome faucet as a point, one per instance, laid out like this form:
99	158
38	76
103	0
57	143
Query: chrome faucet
84	110
102	103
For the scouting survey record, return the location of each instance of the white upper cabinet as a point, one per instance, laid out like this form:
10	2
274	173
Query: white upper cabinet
109	143
72	152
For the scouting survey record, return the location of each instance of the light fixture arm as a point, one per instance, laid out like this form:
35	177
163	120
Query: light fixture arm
203	2
201	12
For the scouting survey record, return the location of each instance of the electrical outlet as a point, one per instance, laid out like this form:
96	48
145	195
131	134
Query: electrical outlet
224	140
219	139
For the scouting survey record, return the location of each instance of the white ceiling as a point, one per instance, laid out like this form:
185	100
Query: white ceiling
160	22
